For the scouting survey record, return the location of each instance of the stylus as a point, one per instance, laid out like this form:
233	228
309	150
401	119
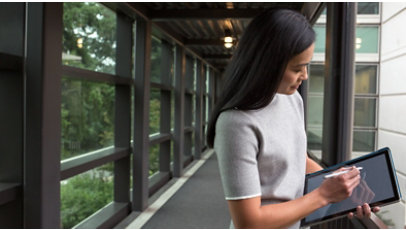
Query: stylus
339	173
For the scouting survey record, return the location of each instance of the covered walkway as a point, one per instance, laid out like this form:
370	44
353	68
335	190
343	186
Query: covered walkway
104	112
181	206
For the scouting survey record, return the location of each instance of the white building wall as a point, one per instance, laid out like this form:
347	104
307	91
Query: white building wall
392	94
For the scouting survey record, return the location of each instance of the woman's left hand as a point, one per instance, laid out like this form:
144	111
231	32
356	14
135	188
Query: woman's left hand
363	211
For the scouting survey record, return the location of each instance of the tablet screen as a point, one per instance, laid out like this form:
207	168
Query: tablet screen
378	186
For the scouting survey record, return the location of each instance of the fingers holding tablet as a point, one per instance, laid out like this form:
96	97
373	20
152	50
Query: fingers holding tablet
376	186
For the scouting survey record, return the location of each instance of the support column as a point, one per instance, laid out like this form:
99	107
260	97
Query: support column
165	122
43	115
339	82
141	114
122	131
199	110
180	63
12	20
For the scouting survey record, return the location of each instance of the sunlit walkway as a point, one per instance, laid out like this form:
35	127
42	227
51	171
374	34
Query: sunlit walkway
198	203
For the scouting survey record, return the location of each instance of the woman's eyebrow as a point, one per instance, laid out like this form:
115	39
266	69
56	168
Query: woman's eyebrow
303	64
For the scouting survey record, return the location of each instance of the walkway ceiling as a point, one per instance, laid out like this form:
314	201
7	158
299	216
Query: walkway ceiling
202	26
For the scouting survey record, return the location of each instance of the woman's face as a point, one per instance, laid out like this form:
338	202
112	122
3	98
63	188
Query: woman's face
296	71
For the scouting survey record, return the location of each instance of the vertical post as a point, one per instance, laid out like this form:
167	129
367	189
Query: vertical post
12	19
141	113
122	132
339	83
165	121
199	110
204	105
180	61
43	115
211	90
188	109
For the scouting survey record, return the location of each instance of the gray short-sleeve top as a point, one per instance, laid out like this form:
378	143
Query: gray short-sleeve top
263	152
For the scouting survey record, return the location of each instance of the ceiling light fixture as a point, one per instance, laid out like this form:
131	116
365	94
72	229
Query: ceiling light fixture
228	39
228	45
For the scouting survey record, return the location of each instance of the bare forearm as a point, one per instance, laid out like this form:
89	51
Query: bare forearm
285	214
280	215
312	166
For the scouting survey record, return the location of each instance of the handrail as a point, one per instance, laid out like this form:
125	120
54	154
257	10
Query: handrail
82	163
9	192
10	62
90	75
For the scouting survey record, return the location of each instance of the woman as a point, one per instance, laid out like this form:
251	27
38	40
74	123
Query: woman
257	128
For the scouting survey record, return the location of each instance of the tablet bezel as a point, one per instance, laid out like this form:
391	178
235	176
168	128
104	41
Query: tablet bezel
392	172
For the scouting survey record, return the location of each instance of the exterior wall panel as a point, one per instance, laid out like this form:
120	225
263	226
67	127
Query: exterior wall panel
393	76
392	103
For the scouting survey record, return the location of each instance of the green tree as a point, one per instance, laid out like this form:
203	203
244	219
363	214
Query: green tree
87	113
82	195
87	116
95	25
88	107
155	104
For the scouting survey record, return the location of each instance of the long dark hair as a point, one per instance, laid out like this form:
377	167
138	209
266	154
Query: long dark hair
256	69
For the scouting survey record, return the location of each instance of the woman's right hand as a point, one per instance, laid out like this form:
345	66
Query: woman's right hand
340	187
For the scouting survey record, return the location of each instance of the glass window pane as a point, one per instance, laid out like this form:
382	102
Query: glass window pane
207	81
315	110
364	112
84	194
154	159
188	144
314	138
316	78
156	56
365	79
194	75
188	110
320	44
189	81
154	111
173	110
173	67
366	40
193	110
207	108
87	117
364	141
89	36
368	8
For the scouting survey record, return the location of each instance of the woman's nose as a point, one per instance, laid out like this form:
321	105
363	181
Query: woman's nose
305	76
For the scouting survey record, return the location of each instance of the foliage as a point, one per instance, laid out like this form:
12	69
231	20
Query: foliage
155	104
87	116
96	26
154	112
153	159
87	113
82	195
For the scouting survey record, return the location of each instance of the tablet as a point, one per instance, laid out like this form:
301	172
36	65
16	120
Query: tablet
378	186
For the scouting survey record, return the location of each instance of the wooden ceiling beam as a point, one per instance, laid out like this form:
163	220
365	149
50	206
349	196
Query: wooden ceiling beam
217	56
204	42
196	14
